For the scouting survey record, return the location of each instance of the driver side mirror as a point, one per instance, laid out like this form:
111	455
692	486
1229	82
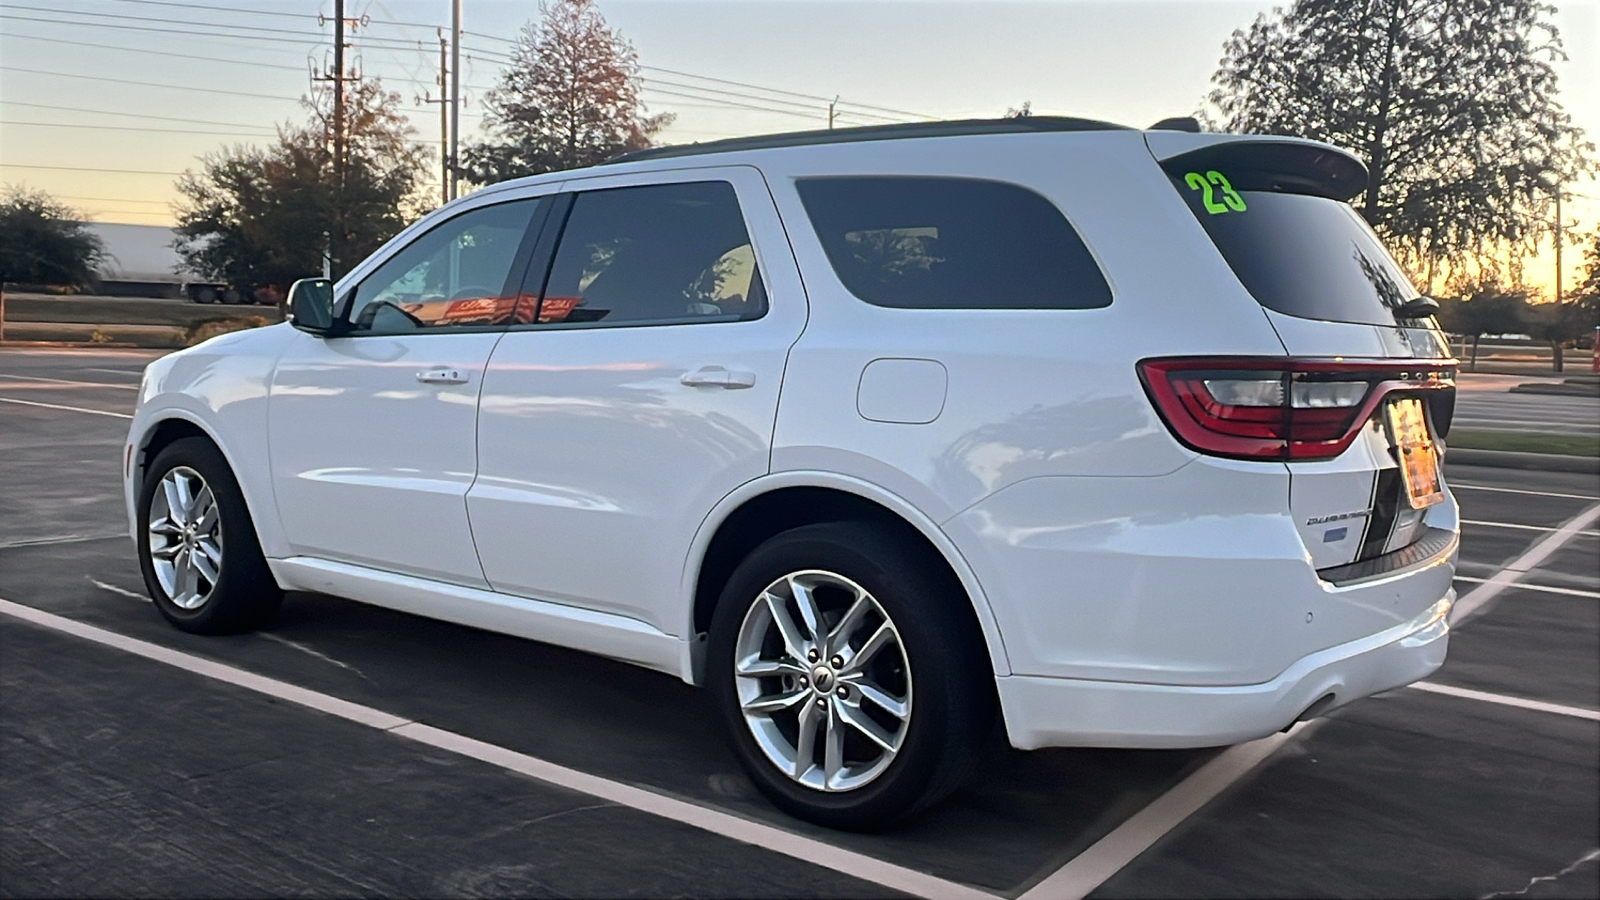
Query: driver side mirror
311	305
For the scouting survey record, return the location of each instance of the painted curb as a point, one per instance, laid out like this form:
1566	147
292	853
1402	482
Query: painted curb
1507	459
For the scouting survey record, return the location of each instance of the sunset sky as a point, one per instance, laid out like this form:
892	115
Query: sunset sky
103	102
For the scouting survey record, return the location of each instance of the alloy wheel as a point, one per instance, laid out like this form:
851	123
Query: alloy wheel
185	537
823	681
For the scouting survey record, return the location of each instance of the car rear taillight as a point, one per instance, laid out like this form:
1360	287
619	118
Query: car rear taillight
1279	408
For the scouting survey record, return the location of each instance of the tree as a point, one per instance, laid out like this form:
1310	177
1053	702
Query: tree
44	241
1485	308
1586	293
1452	103
570	98
1556	324
265	215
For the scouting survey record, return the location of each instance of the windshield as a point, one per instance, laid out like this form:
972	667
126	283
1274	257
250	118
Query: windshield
1301	255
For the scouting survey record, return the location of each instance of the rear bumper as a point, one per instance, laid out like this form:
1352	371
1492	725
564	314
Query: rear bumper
1071	712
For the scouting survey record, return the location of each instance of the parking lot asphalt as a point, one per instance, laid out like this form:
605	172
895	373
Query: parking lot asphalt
1483	403
123	775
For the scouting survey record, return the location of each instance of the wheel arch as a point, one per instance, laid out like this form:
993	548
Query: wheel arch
765	507
174	424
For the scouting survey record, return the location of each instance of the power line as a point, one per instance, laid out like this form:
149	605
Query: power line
112	199
130	128
175	87
107	112
11	165
57	11
306	37
147	51
210	8
737	105
743	84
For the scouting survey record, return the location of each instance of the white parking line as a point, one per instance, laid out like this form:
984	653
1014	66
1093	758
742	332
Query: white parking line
97	384
1109	855
715	821
1455	486
96	412
62	539
1468	606
1546	588
1578	712
124	592
1589	533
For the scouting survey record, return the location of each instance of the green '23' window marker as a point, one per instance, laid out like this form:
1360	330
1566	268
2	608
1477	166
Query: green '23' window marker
1209	184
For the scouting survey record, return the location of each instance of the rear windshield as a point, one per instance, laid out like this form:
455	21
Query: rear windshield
1301	255
951	243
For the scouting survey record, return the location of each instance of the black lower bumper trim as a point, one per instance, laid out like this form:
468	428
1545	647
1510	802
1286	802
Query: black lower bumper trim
1433	543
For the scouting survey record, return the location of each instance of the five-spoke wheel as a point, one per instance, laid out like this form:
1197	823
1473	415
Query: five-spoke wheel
198	550
185	537
823	680
850	673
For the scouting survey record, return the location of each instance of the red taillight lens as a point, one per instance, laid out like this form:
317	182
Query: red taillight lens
1277	408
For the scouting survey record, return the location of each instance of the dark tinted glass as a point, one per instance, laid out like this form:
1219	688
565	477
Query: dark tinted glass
1305	256
654	255
951	243
453	276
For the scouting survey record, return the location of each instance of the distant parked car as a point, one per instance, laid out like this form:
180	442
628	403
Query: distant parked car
1131	436
217	292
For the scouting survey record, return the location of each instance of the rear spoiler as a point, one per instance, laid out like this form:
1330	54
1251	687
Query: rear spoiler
1252	163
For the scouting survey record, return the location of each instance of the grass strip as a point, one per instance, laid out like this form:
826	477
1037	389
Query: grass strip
1526	442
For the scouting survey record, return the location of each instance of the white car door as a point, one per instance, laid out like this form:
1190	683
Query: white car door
372	432
643	393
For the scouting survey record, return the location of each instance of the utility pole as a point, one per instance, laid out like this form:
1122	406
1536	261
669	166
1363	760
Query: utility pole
444	118
335	238
1558	246
336	248
455	97
831	105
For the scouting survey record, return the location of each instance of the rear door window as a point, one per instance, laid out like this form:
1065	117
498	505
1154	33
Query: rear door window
654	255
951	243
1298	254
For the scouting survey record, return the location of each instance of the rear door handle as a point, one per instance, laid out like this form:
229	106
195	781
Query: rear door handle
717	376
441	376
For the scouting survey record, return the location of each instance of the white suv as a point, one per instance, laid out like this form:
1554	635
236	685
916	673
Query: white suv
1129	435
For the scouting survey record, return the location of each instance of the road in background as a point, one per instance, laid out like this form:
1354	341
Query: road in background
1485	403
123	775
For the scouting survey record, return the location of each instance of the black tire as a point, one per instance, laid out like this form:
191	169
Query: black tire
244	595
953	689
206	295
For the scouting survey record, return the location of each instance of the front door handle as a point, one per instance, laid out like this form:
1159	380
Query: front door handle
441	376
717	376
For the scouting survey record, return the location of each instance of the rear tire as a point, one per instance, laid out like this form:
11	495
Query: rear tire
874	713
198	551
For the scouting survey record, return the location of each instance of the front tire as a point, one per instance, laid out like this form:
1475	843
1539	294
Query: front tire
198	552
849	674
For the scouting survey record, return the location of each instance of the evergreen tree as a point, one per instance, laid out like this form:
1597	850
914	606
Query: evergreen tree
570	98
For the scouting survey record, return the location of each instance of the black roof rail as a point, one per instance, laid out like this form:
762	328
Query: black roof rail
945	128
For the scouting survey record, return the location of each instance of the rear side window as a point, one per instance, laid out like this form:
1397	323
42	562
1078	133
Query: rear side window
654	255
1299	254
951	243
